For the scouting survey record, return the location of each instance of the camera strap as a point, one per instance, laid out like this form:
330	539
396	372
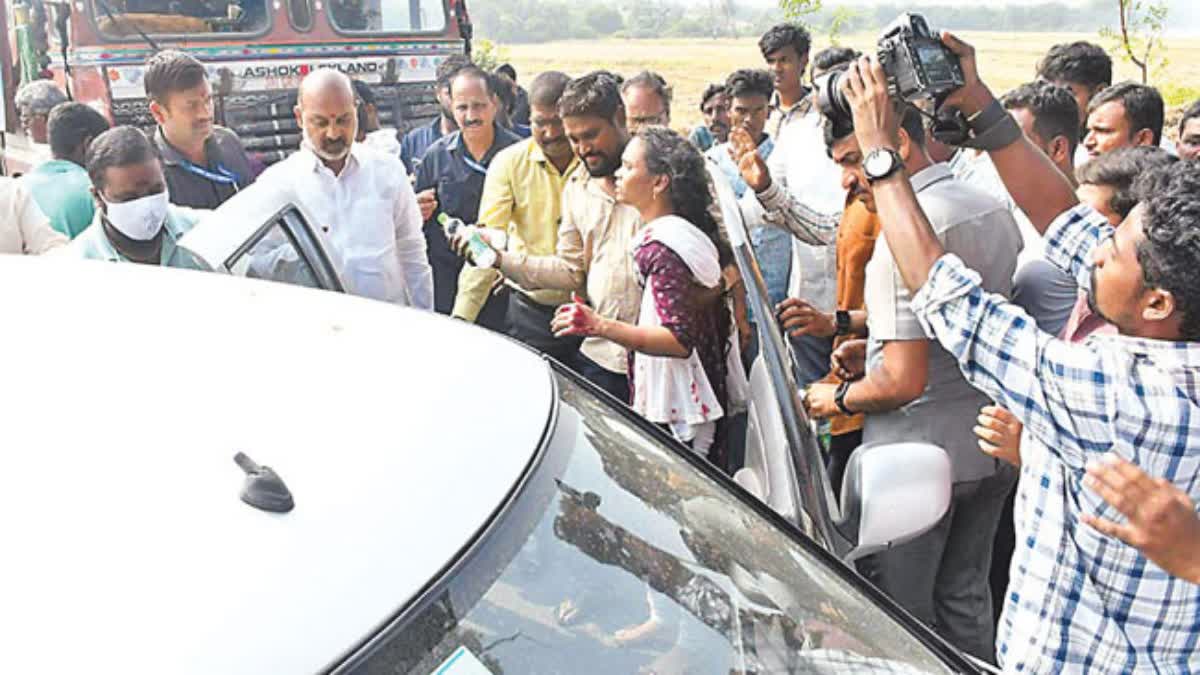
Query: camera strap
989	129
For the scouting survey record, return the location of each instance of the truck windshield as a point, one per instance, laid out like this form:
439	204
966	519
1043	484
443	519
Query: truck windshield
388	16
124	20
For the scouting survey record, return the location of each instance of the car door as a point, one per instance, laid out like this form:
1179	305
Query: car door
784	467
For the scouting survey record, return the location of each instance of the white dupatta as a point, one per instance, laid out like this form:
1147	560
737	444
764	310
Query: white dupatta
672	390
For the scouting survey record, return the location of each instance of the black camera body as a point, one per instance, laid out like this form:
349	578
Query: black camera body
917	64
918	67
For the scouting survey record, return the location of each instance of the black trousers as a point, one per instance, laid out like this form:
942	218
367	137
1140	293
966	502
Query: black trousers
529	322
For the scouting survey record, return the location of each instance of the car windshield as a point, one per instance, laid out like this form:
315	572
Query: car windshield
388	16
622	555
131	18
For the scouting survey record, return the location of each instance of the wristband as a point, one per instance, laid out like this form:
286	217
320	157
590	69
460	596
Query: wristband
842	323
992	128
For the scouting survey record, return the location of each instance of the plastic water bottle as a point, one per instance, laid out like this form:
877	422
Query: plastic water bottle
481	253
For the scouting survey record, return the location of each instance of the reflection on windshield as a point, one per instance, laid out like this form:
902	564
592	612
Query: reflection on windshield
124	18
621	557
388	16
274	257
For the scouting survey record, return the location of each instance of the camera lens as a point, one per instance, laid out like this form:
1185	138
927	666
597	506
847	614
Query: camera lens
831	101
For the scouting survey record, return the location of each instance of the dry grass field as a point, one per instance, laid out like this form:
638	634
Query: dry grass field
1006	60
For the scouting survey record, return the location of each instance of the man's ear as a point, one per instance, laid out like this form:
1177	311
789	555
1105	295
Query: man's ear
1144	137
904	144
157	112
98	199
1159	305
619	118
1060	150
299	115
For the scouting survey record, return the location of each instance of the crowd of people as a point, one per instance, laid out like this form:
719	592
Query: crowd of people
1032	308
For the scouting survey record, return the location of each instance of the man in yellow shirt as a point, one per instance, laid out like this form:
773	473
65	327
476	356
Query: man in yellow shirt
522	195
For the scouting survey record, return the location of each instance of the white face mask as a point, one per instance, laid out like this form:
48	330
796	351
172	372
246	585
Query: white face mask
139	219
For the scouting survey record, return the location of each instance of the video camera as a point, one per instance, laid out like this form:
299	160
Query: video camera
918	67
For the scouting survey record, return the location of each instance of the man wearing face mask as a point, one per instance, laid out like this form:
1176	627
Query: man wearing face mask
361	197
134	221
455	167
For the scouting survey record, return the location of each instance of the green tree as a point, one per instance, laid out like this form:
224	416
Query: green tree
797	10
603	19
1139	36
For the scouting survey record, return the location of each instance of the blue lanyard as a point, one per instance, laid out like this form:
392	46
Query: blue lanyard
472	164
223	176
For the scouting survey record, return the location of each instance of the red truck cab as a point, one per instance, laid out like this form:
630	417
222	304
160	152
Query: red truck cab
256	51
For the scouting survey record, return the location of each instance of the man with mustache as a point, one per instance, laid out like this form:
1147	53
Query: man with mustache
714	105
523	196
204	164
455	167
595	235
361	198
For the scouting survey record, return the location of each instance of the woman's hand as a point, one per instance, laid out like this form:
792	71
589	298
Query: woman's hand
577	319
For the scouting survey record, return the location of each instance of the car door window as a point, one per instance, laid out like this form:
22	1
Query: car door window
274	254
618	555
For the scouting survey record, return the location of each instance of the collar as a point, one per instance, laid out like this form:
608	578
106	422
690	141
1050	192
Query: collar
776	102
930	175
1165	354
536	154
171	156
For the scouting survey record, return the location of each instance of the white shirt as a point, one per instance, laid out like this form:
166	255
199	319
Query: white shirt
370	214
806	198
24	229
384	140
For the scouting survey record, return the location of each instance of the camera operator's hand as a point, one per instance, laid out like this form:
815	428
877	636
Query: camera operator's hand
876	122
974	95
750	164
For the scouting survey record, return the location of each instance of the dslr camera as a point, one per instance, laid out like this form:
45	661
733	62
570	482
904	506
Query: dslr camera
918	67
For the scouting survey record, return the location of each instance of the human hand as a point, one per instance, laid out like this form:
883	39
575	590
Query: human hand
999	434
876	120
974	95
576	318
1162	520
427	201
818	400
750	164
849	360
800	318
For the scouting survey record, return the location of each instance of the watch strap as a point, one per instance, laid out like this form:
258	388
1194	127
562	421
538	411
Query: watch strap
841	322
839	399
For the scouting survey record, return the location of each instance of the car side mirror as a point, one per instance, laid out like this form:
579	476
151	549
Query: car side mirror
892	494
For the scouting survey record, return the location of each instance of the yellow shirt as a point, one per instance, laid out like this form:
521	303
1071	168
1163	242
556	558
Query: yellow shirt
522	195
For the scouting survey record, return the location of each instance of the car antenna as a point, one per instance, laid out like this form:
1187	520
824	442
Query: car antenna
263	489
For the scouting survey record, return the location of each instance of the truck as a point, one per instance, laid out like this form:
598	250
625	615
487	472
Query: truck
256	53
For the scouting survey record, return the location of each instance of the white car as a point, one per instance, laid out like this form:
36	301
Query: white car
439	499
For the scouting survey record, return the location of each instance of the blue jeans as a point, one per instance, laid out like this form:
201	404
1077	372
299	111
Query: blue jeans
773	249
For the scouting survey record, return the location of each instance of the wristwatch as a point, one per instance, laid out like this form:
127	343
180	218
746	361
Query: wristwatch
839	399
881	163
841	322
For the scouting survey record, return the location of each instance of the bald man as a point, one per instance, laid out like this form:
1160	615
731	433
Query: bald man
362	198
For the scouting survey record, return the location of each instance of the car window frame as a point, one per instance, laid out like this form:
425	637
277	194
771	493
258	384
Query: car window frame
421	600
299	232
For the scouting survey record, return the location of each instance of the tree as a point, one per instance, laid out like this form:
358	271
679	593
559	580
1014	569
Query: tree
1140	34
796	10
604	20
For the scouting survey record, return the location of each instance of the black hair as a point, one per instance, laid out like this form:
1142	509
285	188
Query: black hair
654	82
1192	112
1078	63
831	57
1055	112
119	146
1169	253
784	35
507	69
449	67
750	82
669	154
596	94
710	91
1119	170
472	70
911	121
364	92
70	124
547	88
170	71
1143	106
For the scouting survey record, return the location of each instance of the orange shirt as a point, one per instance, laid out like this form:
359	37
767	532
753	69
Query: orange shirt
856	236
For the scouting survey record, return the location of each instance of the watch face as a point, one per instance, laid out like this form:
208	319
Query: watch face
878	163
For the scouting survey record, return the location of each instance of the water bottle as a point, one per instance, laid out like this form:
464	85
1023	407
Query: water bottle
481	254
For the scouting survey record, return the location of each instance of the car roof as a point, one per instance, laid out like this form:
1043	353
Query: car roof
128	390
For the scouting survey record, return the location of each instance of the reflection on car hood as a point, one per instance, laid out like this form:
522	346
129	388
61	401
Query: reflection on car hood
128	392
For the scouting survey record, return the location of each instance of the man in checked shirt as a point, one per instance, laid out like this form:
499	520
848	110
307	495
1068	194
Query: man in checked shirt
1078	600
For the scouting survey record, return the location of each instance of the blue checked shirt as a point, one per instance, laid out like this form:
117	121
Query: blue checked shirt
1079	600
